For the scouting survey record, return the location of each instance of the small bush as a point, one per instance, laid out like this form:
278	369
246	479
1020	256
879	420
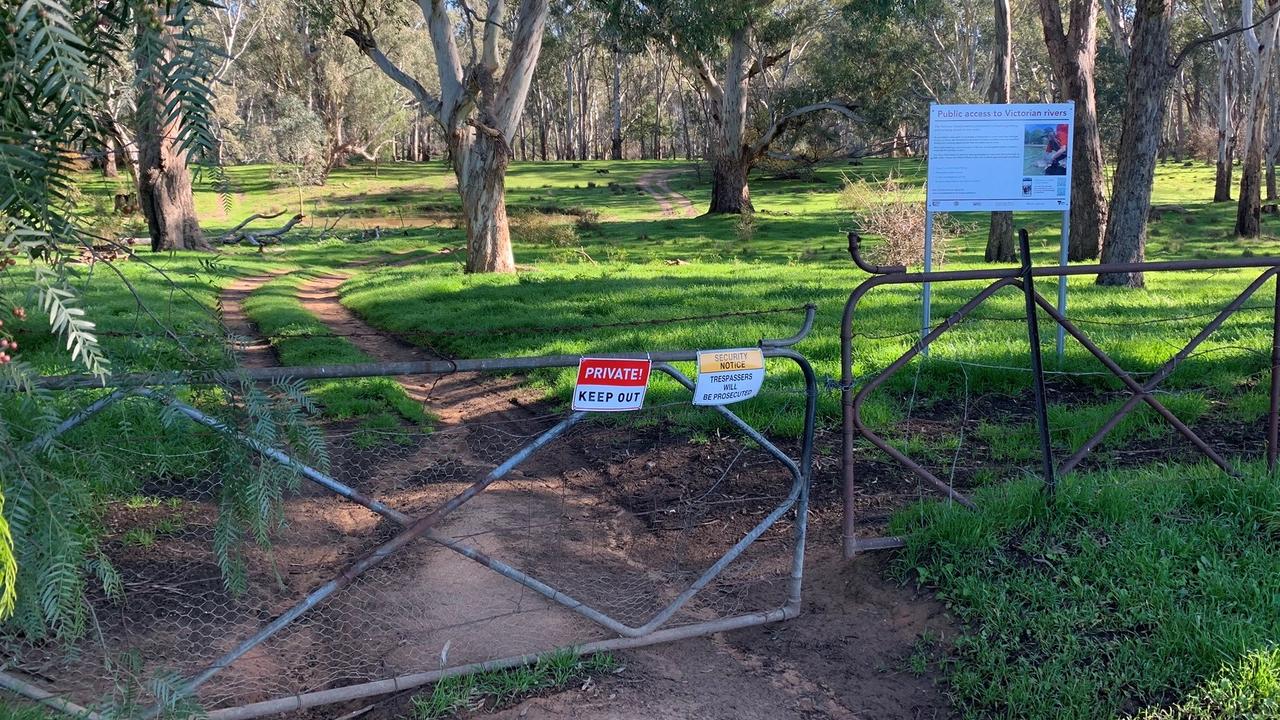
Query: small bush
543	230
1202	142
588	221
888	211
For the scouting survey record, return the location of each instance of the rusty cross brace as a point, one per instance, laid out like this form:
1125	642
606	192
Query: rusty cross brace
1139	392
1023	278
853	407
1142	393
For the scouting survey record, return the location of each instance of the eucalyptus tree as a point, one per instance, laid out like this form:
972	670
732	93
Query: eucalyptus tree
1151	67
1145	83
1073	54
1260	40
746	55
479	104
300	58
1226	51
1000	234
164	180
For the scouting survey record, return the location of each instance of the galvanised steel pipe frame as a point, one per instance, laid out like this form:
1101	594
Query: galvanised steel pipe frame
1022	277
424	527
379	369
404	683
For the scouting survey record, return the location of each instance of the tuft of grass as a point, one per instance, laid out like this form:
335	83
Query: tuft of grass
499	688
138	502
1245	690
139	537
380	429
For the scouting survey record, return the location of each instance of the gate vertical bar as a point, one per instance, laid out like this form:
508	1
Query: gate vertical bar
926	318
1273	419
1037	366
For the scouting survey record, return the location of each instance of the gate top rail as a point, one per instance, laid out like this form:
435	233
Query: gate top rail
898	275
772	347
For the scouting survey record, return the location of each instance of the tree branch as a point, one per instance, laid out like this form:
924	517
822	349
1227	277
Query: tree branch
493	23
263	238
780	125
1119	27
522	59
1214	37
256	216
448	62
768	61
366	44
695	61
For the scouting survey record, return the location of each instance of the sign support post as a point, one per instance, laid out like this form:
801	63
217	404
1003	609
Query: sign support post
1062	283
927	319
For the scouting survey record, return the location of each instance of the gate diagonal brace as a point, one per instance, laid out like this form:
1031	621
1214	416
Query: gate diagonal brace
424	527
853	406
1139	392
412	529
1143	392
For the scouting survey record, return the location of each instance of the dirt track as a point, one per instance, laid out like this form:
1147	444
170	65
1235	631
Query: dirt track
845	657
658	184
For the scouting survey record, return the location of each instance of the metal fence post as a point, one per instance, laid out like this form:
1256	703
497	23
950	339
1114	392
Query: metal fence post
1037	366
1273	417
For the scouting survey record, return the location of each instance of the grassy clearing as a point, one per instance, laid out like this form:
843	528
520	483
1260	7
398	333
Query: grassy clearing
499	688
1119	598
655	269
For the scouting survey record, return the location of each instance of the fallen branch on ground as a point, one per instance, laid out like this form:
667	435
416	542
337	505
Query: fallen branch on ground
227	238
259	239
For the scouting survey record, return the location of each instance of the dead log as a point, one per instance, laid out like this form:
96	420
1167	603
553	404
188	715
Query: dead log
256	216
259	239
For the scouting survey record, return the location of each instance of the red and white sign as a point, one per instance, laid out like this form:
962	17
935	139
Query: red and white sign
609	385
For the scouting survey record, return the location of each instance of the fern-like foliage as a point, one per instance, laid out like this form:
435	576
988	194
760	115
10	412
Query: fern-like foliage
8	566
53	60
252	486
49	509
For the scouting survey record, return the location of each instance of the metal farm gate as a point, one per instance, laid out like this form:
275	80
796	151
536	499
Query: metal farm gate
416	554
1139	391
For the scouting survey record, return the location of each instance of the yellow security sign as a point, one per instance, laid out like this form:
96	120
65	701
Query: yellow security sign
728	376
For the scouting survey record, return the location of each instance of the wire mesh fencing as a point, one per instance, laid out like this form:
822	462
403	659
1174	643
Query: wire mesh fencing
394	554
950	449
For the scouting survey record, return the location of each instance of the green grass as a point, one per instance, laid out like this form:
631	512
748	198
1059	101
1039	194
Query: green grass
498	688
14	712
300	339
1119	598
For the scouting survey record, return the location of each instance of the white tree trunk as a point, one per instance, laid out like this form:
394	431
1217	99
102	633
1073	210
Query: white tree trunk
481	168
480	115
729	190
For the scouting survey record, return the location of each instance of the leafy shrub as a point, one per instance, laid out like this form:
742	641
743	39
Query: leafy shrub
588	221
